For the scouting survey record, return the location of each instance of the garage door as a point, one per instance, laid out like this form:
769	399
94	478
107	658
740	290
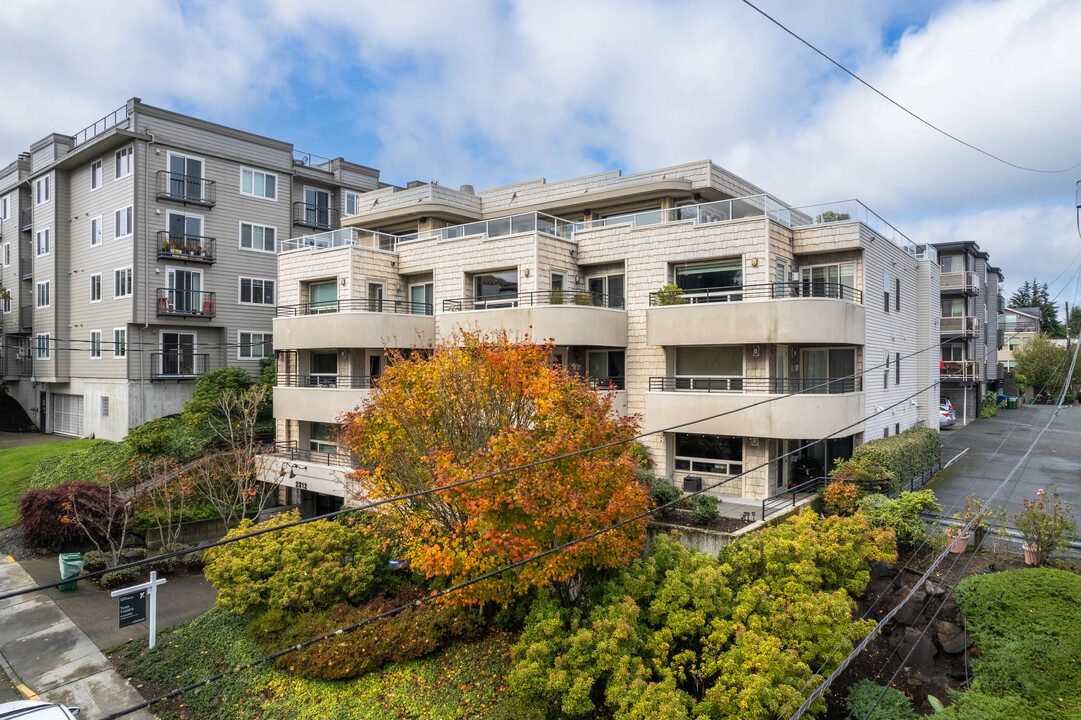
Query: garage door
68	414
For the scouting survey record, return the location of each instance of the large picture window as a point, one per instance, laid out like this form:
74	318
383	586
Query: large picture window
715	454
703	276
496	290
709	368
829	280
323	296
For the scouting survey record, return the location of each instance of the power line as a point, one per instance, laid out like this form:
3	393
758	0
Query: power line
898	105
492	573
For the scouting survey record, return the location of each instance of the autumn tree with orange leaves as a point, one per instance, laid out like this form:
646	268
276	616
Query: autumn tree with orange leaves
477	405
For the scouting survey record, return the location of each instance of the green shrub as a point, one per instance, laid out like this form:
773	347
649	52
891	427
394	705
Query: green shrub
662	492
94	560
637	451
119	578
298	569
902	514
904	456
409	634
670	295
704	509
194	559
1046	524
169	436
169	564
101	458
864	695
989	406
1026	625
145	521
868	476
209	388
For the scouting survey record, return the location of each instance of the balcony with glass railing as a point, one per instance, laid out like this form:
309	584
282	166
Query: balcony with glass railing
965	282
345	237
531	222
844	211
965	326
753	206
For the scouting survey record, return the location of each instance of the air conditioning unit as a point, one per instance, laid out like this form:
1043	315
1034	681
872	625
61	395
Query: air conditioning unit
692	483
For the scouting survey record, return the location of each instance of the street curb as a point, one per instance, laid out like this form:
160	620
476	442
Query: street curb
27	692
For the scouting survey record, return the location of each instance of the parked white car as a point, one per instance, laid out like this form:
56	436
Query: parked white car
36	710
945	414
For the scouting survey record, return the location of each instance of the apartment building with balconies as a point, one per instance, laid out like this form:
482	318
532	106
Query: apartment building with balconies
971	301
145	255
687	292
1015	327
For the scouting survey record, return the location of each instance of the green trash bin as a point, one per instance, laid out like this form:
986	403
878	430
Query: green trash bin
71	564
1011	403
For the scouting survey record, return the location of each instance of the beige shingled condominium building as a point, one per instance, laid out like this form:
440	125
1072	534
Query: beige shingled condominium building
141	253
769	300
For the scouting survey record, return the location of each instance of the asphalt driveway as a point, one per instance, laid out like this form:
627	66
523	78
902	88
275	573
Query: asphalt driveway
992	447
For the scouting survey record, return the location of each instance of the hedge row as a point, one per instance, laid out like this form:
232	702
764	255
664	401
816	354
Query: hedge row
913	452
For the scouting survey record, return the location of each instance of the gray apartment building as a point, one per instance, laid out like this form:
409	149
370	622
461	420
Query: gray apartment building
141	252
971	301
828	310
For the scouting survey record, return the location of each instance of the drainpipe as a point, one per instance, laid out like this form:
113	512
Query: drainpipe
146	273
964	409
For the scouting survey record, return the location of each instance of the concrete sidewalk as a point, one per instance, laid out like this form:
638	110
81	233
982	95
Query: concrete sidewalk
42	649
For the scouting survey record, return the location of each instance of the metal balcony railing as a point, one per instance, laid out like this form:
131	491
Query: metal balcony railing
26	219
341	238
305	159
614	382
311	215
26	317
966	282
963	370
330	382
177	364
965	326
186	189
773	386
581	298
186	248
289	449
109	121
185	303
355	305
763	291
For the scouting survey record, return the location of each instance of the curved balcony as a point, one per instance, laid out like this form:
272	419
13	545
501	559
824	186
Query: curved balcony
821	406
566	317
794	312
319	398
354	322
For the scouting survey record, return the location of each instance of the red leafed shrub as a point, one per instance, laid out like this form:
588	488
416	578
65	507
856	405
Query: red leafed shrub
412	633
841	497
42	513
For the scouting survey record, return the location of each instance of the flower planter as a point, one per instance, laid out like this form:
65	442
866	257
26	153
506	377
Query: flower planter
1032	554
960	544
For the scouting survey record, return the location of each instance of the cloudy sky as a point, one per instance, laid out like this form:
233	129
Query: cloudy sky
490	93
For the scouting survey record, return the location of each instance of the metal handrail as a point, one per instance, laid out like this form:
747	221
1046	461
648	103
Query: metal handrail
579	298
26	316
498	227
183	188
26	218
306	159
109	121
760	291
187	247
612	382
960	369
341	238
178	364
352	305
290	449
964	280
339	382
780	500
192	303
313	215
775	386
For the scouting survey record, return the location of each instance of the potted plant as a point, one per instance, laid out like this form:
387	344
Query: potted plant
973	509
583	298
555	297
1046	526
670	295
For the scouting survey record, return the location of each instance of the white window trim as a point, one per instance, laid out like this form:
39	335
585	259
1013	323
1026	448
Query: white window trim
262	334
37	242
130	269
48	346
239	291
202	219
131	162
47	284
100	293
37	184
6	304
101	229
92	355
178	331
356	201
5	254
240	183
240	237
131	229
5	207
170	155
123	354
100	162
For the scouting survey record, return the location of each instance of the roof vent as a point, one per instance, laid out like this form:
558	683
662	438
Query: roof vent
467	189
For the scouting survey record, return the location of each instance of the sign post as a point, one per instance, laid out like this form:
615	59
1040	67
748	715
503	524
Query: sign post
133	604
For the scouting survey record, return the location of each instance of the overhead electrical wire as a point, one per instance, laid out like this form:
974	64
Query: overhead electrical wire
898	105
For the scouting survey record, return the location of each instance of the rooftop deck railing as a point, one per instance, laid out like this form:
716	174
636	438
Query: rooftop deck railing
762	291
355	305
719	211
500	227
304	159
341	238
853	211
92	131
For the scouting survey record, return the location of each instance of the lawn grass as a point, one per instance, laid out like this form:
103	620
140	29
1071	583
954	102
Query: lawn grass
1026	625
464	681
17	465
